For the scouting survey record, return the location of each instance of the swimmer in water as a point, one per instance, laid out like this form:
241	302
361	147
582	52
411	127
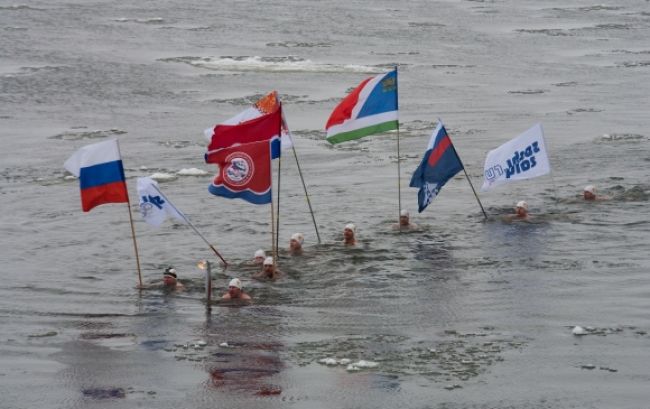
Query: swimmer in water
404	222
521	212
169	281
259	257
295	244
235	291
349	235
269	271
589	194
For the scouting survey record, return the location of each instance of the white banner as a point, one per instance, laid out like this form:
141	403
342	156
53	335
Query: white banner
524	157
154	206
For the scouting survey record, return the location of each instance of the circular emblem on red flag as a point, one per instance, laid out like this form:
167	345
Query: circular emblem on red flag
240	169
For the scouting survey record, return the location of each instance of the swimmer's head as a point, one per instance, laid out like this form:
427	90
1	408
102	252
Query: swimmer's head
296	241
170	277
404	217
589	192
521	209
259	256
349	231
234	288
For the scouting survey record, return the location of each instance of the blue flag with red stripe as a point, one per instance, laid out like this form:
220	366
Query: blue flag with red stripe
439	164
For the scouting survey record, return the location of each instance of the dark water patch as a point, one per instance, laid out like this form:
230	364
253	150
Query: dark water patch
596	7
395	53
79	135
633	64
179	144
553	32
583	110
623	51
620	138
300	44
44	334
425	24
528	91
45	69
151	20
566	84
452	66
104	393
17	7
110	335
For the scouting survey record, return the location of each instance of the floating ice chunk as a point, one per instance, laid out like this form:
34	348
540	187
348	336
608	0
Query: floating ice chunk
201	343
365	364
344	361
191	172
161	177
224	345
578	330
328	361
353	368
143	167
69	177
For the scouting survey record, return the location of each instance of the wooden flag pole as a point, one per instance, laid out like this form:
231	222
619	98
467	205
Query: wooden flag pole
135	243
311	211
277	220
469	180
225	264
273	249
399	184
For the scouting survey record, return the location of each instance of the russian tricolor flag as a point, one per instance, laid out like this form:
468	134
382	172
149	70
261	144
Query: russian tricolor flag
101	174
439	164
369	109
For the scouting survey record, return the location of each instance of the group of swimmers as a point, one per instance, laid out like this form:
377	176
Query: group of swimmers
270	272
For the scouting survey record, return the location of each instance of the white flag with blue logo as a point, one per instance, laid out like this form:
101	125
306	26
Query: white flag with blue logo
524	157
154	206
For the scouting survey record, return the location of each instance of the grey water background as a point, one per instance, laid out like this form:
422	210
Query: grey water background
463	314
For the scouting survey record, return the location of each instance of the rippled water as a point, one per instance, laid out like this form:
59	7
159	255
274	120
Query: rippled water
464	313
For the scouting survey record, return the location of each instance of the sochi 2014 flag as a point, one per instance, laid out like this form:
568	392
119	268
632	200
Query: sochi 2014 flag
154	206
439	164
244	172
369	109
100	172
524	157
265	110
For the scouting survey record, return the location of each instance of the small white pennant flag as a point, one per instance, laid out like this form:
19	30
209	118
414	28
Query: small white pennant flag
154	206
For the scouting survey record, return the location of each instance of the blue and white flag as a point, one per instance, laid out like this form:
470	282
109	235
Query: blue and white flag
439	164
154	206
524	157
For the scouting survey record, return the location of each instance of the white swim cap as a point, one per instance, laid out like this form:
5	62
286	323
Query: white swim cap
260	253
235	282
404	213
351	226
298	237
268	261
522	204
591	189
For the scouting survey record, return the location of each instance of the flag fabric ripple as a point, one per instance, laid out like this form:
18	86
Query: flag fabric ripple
244	172
439	164
101	174
369	109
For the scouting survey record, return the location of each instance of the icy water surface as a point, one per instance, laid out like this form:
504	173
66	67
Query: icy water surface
465	313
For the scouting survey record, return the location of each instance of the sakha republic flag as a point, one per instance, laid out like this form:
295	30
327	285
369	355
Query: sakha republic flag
154	205
101	174
218	135
369	109
244	172
439	164
523	157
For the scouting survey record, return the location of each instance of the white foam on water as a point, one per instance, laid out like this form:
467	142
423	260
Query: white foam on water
279	64
578	330
191	172
162	177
